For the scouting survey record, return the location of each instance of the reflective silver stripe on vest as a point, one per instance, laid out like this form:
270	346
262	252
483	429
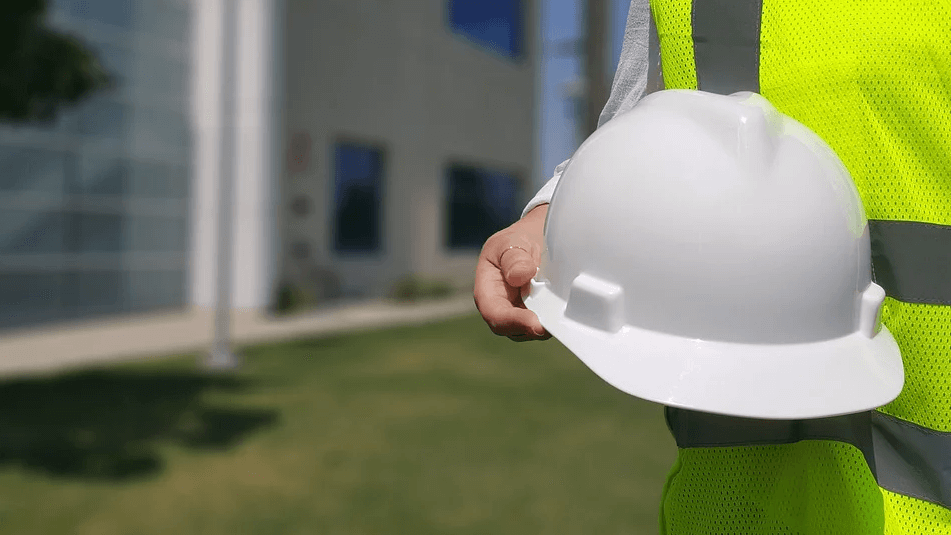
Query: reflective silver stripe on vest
692	429
905	458
726	38
912	460
912	260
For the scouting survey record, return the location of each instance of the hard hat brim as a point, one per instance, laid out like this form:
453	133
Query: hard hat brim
766	381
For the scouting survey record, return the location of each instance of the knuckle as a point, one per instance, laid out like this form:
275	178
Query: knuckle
495	239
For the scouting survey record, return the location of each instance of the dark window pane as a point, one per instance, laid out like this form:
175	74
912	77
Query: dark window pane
95	233
151	290
480	203
23	231
104	118
357	198
92	292
495	24
27	298
156	234
29	169
113	12
158	179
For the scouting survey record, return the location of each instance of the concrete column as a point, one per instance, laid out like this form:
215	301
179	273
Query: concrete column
253	224
256	172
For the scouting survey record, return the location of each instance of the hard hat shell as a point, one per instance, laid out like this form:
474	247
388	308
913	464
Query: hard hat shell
708	252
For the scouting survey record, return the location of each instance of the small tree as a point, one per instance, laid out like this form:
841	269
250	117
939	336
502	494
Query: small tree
40	69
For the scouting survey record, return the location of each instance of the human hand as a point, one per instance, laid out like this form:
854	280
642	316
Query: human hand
508	261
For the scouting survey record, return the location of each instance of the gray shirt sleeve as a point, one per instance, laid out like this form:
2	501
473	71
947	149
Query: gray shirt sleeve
632	80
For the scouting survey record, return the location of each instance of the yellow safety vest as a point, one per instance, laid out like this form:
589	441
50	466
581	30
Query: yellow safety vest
872	78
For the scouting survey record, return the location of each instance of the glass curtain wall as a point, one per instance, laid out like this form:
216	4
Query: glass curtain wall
94	204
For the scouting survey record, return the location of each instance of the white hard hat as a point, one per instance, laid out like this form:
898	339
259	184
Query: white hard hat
707	252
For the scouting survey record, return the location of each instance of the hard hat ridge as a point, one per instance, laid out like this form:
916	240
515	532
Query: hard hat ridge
746	125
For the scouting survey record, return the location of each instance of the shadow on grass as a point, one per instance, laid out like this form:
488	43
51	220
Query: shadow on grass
110	425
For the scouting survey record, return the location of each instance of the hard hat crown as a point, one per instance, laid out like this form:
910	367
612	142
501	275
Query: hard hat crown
709	219
718	218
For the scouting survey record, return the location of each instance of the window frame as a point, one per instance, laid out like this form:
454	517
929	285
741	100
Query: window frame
383	161
516	173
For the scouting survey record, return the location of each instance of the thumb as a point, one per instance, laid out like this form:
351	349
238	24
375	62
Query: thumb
518	266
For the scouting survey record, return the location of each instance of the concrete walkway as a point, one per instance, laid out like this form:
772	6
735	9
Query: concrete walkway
89	343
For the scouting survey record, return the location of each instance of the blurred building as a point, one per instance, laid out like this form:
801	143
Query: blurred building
418	116
94	212
374	139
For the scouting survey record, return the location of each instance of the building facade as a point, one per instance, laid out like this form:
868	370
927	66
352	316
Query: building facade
410	131
373	139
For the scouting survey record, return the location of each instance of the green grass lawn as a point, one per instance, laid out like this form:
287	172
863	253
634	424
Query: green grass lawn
441	429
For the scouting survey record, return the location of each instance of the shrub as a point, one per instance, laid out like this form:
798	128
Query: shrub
413	288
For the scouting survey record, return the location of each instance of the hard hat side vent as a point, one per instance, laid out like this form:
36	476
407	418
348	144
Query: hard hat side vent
870	314
596	303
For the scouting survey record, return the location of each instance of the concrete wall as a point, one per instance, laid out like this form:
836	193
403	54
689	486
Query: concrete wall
393	74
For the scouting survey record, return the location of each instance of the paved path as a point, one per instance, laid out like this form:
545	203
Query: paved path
83	344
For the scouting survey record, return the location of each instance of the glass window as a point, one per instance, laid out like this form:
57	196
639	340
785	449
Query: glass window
96	233
156	234
31	231
101	291
169	21
495	24
108	180
112	12
102	176
104	118
151	290
116	60
174	85
358	181
161	130
30	297
151	178
163	78
30	169
480	203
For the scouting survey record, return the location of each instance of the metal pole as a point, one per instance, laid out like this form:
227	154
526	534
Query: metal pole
221	356
595	62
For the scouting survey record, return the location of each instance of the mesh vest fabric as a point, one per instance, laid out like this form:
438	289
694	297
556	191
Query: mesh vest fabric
873	79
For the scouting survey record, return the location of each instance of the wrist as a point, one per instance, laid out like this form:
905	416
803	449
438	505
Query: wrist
536	216
532	225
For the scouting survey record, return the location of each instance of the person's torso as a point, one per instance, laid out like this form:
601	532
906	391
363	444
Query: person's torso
873	79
